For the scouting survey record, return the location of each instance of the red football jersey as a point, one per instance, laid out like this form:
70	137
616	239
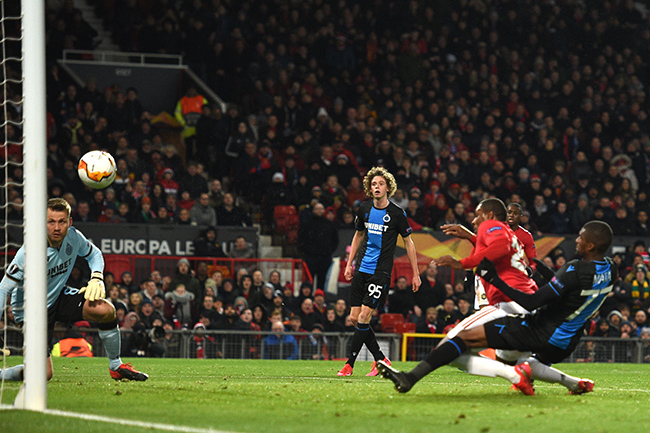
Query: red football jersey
527	241
496	241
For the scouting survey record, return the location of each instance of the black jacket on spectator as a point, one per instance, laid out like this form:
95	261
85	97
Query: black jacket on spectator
402	302
232	217
429	295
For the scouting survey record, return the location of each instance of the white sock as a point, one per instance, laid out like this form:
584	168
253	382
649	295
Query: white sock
480	366
549	374
112	343
14	374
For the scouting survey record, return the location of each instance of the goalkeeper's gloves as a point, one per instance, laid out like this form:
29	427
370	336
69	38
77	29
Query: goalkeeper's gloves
487	271
95	289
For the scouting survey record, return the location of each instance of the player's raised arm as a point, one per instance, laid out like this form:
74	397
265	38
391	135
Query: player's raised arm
448	260
460	231
530	301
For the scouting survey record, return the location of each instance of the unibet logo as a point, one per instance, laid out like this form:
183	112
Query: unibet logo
375	228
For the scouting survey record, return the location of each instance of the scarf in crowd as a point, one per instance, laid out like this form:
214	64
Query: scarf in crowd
640	291
182	305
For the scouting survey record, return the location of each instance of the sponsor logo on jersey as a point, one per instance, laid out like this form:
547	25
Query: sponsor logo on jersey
60	269
376	229
491	229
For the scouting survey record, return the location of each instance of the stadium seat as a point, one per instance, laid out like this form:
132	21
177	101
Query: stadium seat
117	265
284	217
389	320
401	328
287	221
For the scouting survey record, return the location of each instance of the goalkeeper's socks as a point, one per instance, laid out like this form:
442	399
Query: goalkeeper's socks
112	342
359	337
443	355
14	374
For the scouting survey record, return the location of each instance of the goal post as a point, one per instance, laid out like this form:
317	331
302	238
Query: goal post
34	394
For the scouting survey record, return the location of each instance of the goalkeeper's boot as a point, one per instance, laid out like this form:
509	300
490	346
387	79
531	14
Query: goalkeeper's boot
373	368
525	384
13	374
584	386
345	371
126	371
399	378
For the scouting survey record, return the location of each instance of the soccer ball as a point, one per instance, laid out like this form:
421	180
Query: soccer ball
97	169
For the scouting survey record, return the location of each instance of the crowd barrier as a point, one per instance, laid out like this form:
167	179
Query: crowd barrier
212	344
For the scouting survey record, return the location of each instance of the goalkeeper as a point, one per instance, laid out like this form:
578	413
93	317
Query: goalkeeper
67	304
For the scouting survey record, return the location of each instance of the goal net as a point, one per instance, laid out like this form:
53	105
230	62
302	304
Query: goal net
23	189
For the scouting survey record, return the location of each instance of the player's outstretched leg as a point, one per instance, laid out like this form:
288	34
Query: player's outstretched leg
14	374
545	373
442	355
480	366
584	386
525	384
399	378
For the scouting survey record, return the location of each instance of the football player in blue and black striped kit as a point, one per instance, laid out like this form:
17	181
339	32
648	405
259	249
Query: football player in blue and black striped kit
552	332
378	223
67	304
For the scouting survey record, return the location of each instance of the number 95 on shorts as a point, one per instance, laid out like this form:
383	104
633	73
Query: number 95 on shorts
368	289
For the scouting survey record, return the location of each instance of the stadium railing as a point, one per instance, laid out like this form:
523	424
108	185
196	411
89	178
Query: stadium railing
213	344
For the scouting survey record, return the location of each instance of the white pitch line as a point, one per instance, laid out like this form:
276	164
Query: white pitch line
128	422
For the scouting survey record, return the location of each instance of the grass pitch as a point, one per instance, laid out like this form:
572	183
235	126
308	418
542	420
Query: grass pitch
299	396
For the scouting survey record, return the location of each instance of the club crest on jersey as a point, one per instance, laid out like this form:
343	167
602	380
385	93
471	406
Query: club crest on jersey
491	229
68	249
386	218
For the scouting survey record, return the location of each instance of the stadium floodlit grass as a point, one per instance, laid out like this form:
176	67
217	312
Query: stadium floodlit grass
299	396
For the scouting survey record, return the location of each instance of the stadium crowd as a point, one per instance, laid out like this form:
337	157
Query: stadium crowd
542	103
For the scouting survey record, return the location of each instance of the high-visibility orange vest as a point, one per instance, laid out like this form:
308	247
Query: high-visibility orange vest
192	104
72	347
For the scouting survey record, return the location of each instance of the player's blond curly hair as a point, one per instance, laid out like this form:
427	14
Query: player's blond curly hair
379	171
